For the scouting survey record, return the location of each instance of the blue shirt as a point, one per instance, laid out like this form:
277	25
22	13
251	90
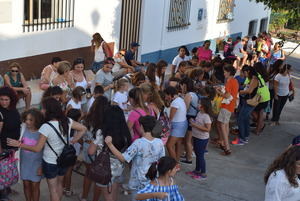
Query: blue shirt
143	153
129	55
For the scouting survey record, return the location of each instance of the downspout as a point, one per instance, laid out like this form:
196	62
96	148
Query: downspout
162	31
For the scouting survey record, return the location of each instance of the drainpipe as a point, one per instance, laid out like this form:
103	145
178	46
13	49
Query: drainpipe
162	30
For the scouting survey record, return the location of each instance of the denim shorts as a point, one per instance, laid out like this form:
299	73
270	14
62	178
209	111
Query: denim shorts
189	117
178	129
51	171
97	66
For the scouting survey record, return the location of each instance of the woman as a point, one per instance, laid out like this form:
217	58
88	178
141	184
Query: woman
16	80
182	56
114	125
49	138
10	122
277	53
94	122
204	53
151	75
139	109
160	73
101	50
138	79
105	78
281	93
178	120
252	83
191	100
49	73
197	76
63	79
121	67
182	68
282	177
263	90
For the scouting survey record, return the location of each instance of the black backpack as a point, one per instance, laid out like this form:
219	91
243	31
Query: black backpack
100	171
68	157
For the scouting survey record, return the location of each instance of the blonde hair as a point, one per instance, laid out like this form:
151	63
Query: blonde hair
15	64
121	82
63	66
154	96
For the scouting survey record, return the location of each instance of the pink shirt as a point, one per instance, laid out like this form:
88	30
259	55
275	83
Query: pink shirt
134	119
204	55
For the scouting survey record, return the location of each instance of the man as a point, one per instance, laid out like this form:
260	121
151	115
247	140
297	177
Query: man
129	57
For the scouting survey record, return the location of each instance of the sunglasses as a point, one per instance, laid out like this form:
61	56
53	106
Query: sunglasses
14	71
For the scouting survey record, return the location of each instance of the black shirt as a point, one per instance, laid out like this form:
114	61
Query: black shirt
11	126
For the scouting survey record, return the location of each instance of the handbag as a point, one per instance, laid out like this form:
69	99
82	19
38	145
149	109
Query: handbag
68	157
9	174
100	170
254	101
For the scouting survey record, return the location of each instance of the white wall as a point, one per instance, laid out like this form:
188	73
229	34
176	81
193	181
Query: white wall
91	16
155	36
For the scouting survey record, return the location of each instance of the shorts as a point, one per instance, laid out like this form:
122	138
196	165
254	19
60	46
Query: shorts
86	157
178	129
240	55
224	116
261	106
188	117
120	73
51	171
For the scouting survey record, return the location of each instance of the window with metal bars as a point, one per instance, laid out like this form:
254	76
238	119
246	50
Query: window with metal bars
226	11
48	14
179	14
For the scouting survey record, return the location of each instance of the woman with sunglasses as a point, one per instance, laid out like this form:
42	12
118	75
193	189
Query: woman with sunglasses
105	78
121	67
16	80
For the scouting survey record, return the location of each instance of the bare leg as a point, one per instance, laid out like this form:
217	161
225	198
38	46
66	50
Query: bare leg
53	189
35	187
60	181
178	150
97	193
86	182
171	146
27	190
188	145
110	196
27	101
260	121
68	179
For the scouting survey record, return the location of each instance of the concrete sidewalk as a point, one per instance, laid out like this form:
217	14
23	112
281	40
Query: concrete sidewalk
238	177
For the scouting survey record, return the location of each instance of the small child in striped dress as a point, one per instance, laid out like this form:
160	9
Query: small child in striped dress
162	186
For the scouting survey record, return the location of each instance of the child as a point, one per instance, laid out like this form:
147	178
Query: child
75	115
142	152
121	96
75	101
31	162
98	91
163	187
200	130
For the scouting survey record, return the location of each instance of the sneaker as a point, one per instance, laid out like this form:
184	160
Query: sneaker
191	173
199	177
238	142
186	162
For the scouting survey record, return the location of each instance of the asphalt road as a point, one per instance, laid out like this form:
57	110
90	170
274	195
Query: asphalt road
294	60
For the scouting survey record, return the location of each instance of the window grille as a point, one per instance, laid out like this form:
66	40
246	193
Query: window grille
48	14
263	25
225	11
179	14
252	28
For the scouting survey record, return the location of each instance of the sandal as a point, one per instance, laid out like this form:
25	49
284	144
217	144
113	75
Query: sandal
226	152
222	147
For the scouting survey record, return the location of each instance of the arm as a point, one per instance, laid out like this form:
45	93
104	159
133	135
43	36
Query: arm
205	128
47	74
81	130
253	85
7	82
187	100
276	83
157	195
23	81
113	149
172	113
282	55
107	87
37	148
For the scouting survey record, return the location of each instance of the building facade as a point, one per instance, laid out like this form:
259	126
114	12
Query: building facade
33	31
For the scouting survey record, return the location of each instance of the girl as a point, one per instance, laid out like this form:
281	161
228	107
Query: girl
121	96
55	116
114	125
160	73
151	75
100	49
16	80
162	187
93	122
31	162
182	56
178	122
49	73
75	101
200	130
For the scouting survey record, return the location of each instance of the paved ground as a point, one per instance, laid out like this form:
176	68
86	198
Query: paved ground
238	177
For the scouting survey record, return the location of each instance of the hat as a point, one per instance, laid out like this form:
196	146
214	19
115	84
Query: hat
134	44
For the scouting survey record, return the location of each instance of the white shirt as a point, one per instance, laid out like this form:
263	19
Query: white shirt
237	48
74	105
55	141
157	80
250	46
121	99
279	188
99	53
90	103
176	61
283	84
180	114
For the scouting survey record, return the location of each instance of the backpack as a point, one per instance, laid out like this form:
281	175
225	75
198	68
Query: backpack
68	157
100	170
162	127
9	174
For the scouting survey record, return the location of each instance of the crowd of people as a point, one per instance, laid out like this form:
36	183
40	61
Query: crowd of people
138	113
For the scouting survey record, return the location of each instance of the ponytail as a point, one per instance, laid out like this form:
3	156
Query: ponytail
152	172
162	166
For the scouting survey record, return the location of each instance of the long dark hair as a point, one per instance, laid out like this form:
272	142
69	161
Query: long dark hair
114	125
260	69
287	162
37	116
162	166
207	107
9	92
95	116
53	111
150	73
275	68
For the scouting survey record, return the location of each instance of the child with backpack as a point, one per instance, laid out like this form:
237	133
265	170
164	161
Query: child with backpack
200	130
161	187
142	152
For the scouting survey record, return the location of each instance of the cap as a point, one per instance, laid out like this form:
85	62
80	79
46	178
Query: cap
134	44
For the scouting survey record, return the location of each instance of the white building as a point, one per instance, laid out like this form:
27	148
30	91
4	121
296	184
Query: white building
33	31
